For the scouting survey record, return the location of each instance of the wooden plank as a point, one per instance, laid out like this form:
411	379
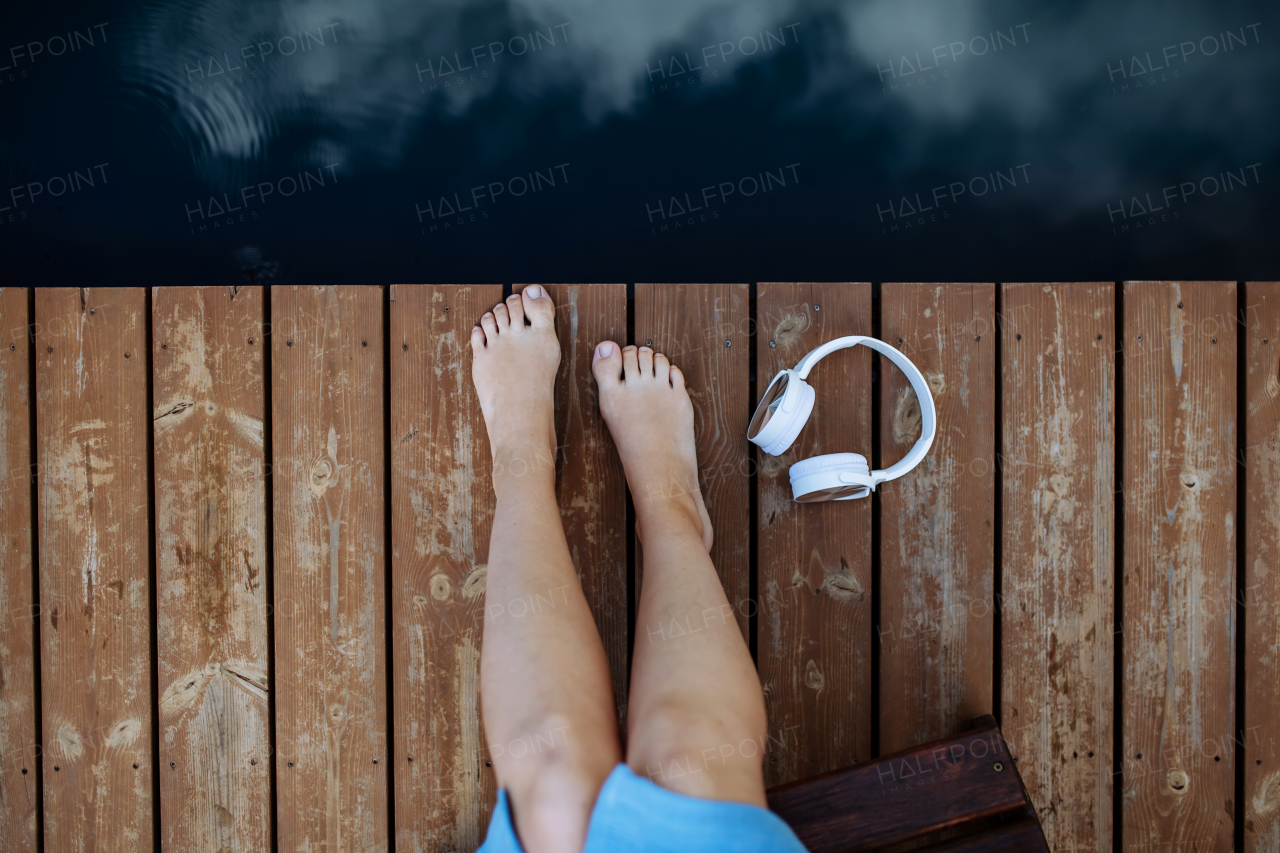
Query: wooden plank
703	329
1179	564
591	488
814	560
1057	596
955	784
19	747
211	567
1261	591
329	571
937	522
442	514
95	629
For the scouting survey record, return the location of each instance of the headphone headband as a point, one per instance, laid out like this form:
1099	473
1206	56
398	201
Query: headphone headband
789	400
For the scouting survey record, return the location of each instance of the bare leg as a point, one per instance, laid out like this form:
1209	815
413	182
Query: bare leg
696	718
544	680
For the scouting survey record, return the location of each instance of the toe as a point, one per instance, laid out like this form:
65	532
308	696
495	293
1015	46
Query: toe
661	367
490	325
539	308
677	378
606	364
515	307
630	364
503	318
646	362
477	338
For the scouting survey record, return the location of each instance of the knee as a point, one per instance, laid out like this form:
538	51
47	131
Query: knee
552	797
692	751
552	781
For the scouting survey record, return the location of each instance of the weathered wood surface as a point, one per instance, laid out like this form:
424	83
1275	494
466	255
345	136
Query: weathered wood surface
814	587
92	426
1057	595
591	488
952	785
328	481
937	523
704	330
442	514
19	748
1261	593
1179	564
208	401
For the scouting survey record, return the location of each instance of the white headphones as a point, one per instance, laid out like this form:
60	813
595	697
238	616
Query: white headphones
835	476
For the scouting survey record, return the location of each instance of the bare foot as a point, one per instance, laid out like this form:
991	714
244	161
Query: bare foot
514	371
650	416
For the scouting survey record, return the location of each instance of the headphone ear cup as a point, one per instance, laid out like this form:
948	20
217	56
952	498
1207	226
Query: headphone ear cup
831	477
783	426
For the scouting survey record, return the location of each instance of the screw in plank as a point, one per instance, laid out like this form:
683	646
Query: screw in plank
488	764
164	346
404	346
12	347
411	758
172	764
1264	340
50	349
254	761
288	343
364	343
375	761
1099	337
1215	340
999	767
1019	337
446	309
977	337
56	768
290	763
1179	304
24	770
648	343
1139	337
773	760
728	343
899	341
126	355
135	767
772	344
250	341
817	308
93	311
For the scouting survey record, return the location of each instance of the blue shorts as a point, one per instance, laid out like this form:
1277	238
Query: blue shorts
634	814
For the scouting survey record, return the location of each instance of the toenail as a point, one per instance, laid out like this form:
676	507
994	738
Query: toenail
535	291
488	313
604	350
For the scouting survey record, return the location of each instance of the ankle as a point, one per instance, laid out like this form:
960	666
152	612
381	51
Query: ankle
530	461
667	520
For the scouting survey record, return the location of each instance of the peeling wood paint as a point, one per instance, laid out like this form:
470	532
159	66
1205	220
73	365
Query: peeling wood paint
1057	602
92	423
814	625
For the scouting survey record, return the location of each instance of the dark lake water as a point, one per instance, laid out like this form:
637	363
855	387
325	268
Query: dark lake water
211	141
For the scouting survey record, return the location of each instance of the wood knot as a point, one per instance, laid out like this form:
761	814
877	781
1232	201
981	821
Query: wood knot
441	589
322	474
1178	781
474	586
812	676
